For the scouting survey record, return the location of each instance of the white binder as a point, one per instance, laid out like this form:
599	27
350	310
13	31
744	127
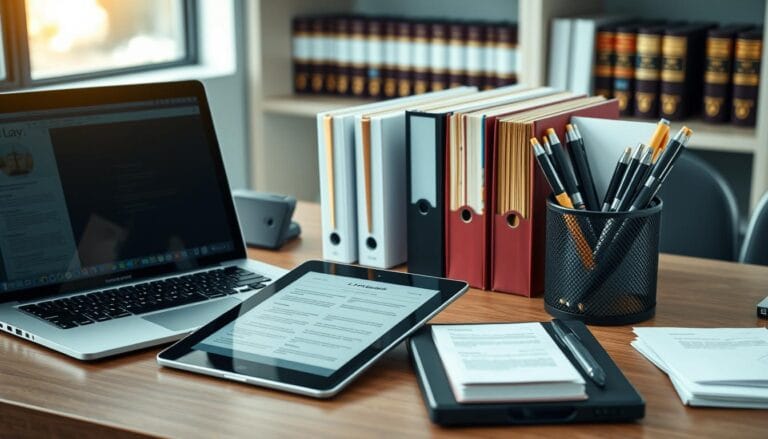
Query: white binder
380	140
336	160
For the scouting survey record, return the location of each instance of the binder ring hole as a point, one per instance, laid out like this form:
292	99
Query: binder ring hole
370	243
466	215
335	238
513	220
423	207
269	222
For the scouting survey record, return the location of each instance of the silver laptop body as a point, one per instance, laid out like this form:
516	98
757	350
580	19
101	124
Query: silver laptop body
116	190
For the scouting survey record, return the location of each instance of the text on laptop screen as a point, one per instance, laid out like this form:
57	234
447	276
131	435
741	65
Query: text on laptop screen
104	190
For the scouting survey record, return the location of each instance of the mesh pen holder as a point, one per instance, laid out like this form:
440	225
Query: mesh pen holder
601	267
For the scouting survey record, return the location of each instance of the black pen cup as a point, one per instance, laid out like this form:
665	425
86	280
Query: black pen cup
601	267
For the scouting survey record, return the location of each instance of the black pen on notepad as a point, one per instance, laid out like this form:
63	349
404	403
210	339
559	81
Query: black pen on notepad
574	345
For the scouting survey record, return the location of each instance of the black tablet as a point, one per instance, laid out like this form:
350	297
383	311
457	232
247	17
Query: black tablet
315	329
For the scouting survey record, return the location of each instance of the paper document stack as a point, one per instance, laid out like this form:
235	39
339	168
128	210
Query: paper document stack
714	367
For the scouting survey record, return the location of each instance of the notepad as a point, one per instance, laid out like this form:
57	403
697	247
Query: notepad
715	367
506	363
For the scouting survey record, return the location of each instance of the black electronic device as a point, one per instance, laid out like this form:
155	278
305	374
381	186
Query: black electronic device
315	329
266	218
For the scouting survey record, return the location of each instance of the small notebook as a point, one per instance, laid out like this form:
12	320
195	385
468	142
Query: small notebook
510	362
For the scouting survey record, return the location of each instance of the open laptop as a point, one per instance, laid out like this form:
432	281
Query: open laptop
117	226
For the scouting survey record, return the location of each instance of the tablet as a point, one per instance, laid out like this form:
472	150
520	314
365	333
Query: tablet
315	329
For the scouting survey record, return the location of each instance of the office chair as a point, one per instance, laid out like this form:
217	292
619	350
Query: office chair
699	217
755	247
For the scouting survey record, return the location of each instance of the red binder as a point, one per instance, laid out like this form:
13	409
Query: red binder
467	232
517	247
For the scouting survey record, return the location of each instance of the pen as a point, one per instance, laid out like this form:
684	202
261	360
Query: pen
634	162
548	150
581	163
640	176
618	173
566	170
582	246
659	138
661	169
574	345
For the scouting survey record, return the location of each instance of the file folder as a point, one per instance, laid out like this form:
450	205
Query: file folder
468	225
380	177
520	192
426	176
337	171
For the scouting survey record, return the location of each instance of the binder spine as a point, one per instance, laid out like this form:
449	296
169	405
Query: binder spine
746	77
624	70
604	61
301	54
358	62
438	55
647	73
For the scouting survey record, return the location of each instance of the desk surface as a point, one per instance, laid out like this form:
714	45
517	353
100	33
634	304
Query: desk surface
42	392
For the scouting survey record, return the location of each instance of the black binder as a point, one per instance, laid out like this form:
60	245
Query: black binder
425	182
618	401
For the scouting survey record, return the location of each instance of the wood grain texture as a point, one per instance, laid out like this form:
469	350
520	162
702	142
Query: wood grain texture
45	393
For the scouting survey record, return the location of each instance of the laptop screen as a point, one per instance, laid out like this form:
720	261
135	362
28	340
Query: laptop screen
110	191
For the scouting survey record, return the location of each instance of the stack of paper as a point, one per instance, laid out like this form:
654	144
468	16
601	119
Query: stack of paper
506	363
719	367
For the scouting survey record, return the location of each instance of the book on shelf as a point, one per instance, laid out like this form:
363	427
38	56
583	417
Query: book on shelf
386	57
718	73
648	71
605	56
625	47
746	76
682	52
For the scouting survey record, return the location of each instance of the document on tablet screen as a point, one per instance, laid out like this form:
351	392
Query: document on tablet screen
317	323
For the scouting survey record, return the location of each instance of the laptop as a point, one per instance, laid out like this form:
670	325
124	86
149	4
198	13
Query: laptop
117	225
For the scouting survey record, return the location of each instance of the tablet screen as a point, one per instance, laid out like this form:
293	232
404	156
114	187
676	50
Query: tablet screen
317	323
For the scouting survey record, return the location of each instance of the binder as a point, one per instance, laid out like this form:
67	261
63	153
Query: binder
378	151
336	160
467	228
618	401
520	191
425	175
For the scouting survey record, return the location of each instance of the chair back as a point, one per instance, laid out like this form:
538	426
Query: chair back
755	247
700	217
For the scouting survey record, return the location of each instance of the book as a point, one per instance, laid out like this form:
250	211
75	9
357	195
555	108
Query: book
457	34
339	74
374	53
420	57
301	53
717	74
647	71
389	72
625	46
506	54
405	59
682	50
605	57
746	76
358	66
506	362
474	70
318	66
438	55
489	57
582	57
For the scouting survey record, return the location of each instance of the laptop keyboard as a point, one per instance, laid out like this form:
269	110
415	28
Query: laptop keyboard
116	303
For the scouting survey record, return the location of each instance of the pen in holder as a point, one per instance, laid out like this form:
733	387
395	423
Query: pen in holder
617	284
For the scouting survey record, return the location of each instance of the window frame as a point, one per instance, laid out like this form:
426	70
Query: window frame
17	56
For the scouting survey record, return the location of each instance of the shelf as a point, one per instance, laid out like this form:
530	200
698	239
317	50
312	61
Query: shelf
308	105
716	137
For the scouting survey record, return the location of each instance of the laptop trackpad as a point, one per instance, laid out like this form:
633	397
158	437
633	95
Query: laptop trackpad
192	316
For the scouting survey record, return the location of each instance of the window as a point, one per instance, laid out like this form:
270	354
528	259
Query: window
61	40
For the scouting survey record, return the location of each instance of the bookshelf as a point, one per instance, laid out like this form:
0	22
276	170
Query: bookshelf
283	133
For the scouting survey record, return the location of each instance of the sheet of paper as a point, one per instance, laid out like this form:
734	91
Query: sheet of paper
502	353
726	356
604	141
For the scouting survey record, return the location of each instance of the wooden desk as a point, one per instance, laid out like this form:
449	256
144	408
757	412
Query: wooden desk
45	393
